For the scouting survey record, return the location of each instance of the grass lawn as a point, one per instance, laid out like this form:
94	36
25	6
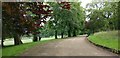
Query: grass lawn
16	50
10	41
108	39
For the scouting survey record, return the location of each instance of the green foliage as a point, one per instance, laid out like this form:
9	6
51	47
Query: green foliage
47	31
61	20
64	20
103	16
10	19
78	16
27	20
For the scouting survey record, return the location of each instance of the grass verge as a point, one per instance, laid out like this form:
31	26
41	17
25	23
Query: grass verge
107	39
17	50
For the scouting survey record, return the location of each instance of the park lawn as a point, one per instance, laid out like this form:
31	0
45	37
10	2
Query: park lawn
107	39
17	50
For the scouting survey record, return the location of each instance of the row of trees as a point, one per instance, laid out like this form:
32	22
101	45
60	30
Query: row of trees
100	16
25	18
67	21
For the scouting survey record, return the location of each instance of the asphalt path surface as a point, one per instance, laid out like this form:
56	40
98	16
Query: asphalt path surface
74	46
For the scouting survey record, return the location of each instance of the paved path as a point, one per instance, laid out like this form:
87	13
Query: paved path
75	46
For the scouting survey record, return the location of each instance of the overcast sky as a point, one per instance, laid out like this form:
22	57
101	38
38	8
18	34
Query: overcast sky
84	2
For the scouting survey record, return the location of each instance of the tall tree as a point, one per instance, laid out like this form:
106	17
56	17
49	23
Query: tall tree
59	20
78	17
38	11
11	22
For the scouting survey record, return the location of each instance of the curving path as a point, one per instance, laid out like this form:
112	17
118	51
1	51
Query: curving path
75	46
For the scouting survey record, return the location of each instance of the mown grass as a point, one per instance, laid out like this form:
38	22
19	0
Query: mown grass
17	50
108	39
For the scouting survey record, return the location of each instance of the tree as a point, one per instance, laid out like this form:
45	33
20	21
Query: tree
38	11
105	18
78	18
58	21
11	24
67	17
43	10
118	15
110	13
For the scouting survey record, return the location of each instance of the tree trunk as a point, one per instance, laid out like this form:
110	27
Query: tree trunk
61	34
74	33
17	40
55	34
2	40
39	38
69	33
35	39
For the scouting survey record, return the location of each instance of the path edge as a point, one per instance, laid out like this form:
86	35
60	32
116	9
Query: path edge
103	47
